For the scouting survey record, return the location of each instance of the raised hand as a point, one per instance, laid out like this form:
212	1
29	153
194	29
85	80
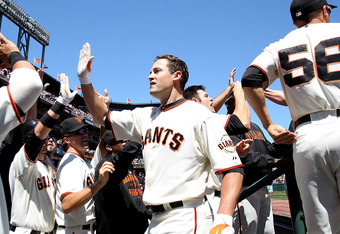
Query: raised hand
84	64
65	95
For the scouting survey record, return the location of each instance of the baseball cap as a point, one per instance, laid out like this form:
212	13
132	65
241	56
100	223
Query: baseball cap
300	9
71	124
107	137
27	129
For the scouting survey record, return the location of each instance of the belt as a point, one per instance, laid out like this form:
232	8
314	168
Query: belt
217	193
162	208
83	227
307	118
12	228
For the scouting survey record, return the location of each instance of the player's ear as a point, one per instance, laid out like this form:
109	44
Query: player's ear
177	75
108	147
195	100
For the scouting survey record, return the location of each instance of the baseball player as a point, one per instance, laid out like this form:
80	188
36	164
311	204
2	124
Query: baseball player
16	98
32	182
76	187
119	203
307	63
181	143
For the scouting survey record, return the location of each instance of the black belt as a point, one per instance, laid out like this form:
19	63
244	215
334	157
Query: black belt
217	193
160	208
307	118
12	228
84	227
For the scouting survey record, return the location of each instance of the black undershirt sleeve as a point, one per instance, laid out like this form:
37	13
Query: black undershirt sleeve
33	146
253	77
235	126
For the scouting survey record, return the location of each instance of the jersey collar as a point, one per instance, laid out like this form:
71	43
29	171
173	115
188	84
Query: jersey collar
173	104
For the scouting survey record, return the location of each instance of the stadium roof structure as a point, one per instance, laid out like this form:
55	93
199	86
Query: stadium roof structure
23	20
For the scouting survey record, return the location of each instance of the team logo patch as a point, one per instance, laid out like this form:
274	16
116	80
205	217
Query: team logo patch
78	119
226	144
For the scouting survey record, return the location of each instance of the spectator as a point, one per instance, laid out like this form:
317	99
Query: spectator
75	181
182	148
122	193
32	182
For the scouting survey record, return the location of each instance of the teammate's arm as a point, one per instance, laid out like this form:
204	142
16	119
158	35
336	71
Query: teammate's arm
230	191
73	201
93	102
241	107
252	86
49	119
220	99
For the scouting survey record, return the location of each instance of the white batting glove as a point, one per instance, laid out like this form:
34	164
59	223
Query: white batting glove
223	224
65	96
84	64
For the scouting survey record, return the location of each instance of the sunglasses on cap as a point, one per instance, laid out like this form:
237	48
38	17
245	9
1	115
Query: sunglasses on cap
329	9
81	131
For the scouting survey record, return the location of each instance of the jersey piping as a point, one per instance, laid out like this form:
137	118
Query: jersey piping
16	111
173	105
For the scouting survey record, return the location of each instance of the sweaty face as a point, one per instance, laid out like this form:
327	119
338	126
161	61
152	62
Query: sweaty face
206	100
79	142
161	81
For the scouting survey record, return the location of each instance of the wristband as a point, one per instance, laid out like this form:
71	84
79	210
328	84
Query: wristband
15	57
58	108
84	80
48	121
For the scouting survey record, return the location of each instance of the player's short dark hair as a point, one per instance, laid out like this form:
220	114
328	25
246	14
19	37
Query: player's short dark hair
192	92
176	64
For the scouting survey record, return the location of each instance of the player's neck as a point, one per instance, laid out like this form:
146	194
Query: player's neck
174	96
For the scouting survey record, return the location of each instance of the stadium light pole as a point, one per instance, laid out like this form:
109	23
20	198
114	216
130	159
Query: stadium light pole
28	27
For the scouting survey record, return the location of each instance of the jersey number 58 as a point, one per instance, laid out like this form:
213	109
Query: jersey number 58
321	65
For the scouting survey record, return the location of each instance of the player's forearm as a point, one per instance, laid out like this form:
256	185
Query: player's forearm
94	104
256	99
241	108
74	201
220	99
230	192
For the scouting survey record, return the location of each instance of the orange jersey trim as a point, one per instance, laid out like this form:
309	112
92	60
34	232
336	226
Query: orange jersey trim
14	105
227	169
64	194
27	156
172	107
264	72
227	122
113	133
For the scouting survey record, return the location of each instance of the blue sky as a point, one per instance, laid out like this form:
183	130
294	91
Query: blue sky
212	37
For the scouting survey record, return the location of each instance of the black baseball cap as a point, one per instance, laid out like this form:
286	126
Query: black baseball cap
300	9
71	124
107	137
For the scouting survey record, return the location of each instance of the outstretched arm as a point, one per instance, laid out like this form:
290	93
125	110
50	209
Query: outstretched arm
256	99
241	107
220	99
275	96
92	101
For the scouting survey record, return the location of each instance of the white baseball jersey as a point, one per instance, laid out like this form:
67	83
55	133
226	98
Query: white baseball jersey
181	144
307	61
9	119
32	185
9	115
73	175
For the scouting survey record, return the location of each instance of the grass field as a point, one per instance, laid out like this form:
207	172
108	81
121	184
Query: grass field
280	195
